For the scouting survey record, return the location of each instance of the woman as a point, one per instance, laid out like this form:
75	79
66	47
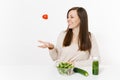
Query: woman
76	45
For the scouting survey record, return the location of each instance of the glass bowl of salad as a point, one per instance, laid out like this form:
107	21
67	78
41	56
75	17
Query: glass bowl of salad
65	68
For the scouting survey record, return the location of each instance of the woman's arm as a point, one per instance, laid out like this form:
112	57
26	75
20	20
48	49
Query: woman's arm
56	51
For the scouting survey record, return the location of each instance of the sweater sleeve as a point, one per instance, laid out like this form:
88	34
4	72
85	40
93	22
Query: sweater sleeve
94	53
56	51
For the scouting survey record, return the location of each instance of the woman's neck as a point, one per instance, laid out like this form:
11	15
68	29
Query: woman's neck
75	35
76	32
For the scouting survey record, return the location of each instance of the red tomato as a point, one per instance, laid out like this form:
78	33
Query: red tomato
45	16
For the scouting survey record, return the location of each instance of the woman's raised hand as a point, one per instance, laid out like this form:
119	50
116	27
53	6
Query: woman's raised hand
46	45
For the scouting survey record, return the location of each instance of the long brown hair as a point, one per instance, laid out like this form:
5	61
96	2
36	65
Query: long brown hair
84	42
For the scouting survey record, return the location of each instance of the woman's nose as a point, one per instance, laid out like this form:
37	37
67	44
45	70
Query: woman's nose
68	19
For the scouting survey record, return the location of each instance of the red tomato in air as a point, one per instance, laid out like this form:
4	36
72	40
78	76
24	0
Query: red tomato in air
45	16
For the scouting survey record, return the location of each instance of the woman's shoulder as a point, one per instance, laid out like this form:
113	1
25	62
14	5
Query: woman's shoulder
62	33
92	36
61	36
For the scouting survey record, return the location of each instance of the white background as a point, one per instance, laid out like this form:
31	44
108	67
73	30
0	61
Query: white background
21	26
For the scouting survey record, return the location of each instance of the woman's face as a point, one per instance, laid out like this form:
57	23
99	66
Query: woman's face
73	19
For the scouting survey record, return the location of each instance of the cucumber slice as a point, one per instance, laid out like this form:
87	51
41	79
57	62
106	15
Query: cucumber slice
81	71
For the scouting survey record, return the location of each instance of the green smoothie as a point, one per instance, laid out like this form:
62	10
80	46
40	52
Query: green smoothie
95	67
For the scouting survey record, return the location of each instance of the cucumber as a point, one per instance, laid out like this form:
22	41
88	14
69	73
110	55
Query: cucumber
81	71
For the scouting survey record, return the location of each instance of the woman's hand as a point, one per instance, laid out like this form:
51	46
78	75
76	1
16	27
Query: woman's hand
46	45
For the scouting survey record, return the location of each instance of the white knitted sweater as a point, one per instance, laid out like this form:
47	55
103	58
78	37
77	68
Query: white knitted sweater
71	53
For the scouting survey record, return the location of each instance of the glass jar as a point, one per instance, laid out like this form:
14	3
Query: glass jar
95	66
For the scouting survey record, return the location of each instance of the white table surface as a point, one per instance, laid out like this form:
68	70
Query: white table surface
30	72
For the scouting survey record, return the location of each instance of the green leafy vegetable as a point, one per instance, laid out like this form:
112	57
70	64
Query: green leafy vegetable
65	68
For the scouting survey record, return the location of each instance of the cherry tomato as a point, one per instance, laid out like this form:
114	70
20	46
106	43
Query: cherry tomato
45	16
